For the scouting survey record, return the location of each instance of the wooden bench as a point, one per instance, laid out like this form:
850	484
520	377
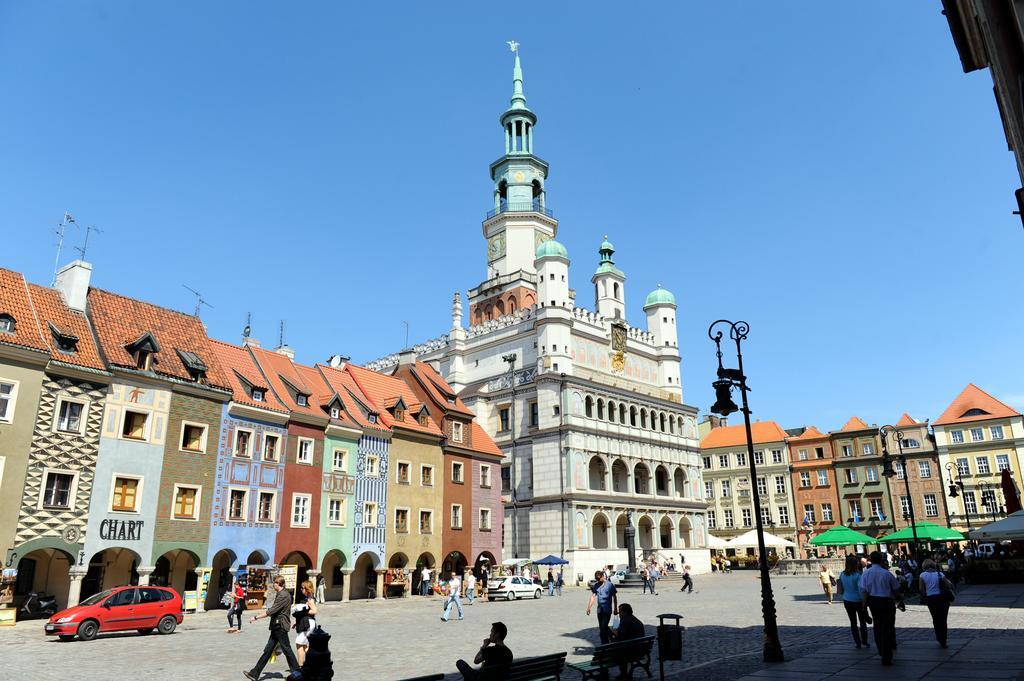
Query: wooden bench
631	654
428	677
541	668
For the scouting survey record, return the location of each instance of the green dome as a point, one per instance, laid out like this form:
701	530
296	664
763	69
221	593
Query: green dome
551	247
606	245
659	296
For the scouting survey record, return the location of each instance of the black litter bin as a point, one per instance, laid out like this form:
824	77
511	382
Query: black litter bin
670	640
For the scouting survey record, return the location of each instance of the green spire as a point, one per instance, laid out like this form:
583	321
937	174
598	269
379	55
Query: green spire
518	98
607	265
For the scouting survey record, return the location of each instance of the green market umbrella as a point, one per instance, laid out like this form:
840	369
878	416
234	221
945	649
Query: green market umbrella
841	536
925	532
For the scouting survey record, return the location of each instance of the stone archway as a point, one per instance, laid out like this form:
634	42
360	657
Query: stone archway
661	481
641	478
426	560
665	532
645	533
620	531
220	577
364	576
331	571
115	566
598	473
303	562
176	569
679	482
685	533
599	531
620	477
45	571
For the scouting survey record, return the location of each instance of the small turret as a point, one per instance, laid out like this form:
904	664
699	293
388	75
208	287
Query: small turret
660	307
609	285
554	312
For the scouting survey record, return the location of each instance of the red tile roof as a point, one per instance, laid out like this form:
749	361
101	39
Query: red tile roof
345	387
733	436
16	302
51	309
810	433
855	423
325	394
279	370
906	420
379	388
238	365
974	398
119	321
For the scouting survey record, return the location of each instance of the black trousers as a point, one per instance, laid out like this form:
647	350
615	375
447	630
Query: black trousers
883	611
278	638
938	606
855	611
687	583
602	624
235	613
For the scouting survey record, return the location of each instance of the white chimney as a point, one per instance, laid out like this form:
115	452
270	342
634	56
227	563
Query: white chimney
286	351
407	356
73	283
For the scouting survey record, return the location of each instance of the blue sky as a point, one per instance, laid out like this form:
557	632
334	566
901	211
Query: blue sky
827	173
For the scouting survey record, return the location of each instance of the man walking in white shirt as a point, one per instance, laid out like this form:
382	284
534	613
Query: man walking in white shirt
882	593
425	581
454	585
470	588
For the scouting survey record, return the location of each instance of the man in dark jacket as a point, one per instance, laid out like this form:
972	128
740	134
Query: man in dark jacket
629	628
278	610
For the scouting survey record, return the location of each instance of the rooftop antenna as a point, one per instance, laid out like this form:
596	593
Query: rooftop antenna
199	300
406	333
280	336
69	219
247	331
85	244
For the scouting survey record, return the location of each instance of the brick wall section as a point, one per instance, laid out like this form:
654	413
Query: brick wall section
458	493
303	479
185	467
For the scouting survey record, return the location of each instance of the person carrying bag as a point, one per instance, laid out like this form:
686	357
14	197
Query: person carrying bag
937	593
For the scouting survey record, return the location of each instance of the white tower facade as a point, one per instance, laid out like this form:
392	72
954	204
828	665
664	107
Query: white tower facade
609	285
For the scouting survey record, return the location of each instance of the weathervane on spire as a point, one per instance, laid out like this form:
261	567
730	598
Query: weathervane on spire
513	45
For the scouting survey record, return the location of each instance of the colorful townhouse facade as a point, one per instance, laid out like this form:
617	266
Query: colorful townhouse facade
978	437
864	500
921	475
815	492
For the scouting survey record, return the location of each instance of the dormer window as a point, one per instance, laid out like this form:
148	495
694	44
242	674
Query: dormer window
65	342
142	351
372	418
399	414
421	418
302	400
257	395
196	367
975	412
335	413
7	324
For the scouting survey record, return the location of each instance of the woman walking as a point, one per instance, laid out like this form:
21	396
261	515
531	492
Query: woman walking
236	608
849	589
827	582
937	592
304	611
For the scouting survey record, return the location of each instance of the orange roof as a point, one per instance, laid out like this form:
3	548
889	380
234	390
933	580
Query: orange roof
351	396
810	433
325	394
281	372
16	302
906	420
120	321
855	423
974	399
733	436
239	367
379	388
51	309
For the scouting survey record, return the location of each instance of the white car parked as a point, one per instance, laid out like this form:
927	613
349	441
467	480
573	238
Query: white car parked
511	588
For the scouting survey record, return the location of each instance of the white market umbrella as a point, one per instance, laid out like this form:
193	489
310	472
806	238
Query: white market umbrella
1010	527
716	542
750	539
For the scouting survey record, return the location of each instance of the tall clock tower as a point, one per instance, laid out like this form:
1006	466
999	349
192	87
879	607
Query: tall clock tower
519	220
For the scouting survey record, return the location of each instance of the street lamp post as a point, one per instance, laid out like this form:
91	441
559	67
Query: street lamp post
888	472
724	405
953	494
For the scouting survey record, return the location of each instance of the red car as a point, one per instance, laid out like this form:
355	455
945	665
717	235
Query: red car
122	608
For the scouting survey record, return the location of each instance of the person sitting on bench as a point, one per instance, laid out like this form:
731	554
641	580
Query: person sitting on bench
493	653
630	627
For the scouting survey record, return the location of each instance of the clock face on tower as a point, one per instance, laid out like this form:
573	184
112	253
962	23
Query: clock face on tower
519	176
496	247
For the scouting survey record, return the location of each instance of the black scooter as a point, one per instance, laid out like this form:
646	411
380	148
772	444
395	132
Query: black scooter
38	605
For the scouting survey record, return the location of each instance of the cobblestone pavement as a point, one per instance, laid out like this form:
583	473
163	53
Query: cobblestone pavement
405	637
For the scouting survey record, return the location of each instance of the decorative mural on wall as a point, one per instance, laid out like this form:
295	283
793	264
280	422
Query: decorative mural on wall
370	539
596	356
579	471
581	530
250	471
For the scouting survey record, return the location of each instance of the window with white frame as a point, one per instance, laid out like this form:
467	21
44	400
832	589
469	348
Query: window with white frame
456	431
868	449
336	511
826	512
931	506
426	521
335	412
338	459
759	458
776	456
238	504
485	519
726	489
257	395
847	450
988	501
186	502
125	494
982	463
851	475
911	443
900	470
924	469
271	445
304	451
193	437
995	432
709	489
871	473
876	509
712	520
370	514
372	466
970	503
802	455
426	476
904	506
243	442
300	510
707	462
70	416
8	397
403	473
809	513
1002	462
956	436
741	459
723	460
134	425
457	475
762	486
58	489
766	515
485	475
266	507
855	511
783	514
456	517
728	517
747	517
822	477
805	478
402	520
963	467
977	434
